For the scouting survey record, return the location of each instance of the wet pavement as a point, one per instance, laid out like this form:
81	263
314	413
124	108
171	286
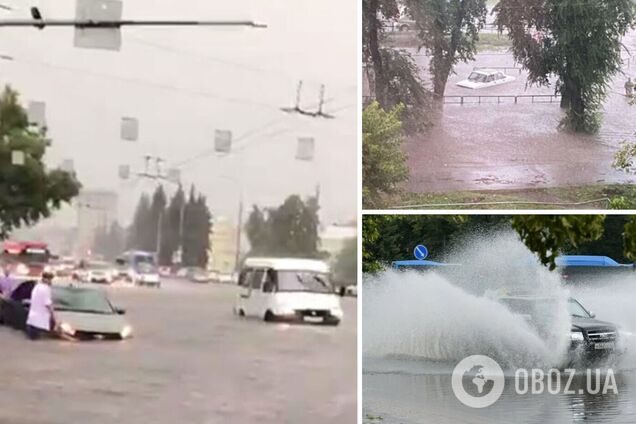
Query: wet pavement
416	388
191	361
502	145
409	393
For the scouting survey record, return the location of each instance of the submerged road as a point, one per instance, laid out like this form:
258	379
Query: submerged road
515	146
191	361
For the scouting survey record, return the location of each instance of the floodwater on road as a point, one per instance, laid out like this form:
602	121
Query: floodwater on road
515	146
191	361
417	327
410	392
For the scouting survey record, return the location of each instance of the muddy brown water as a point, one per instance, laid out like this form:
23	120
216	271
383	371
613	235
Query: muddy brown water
515	146
191	361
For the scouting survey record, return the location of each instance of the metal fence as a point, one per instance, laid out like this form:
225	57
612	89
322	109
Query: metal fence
501	99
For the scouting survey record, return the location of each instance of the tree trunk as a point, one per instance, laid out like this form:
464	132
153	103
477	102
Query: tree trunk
374	50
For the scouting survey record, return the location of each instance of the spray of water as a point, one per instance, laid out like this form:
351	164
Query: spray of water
453	313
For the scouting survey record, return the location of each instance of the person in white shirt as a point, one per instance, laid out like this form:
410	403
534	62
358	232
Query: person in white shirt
41	318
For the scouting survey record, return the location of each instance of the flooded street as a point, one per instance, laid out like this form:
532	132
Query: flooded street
502	145
191	361
417	326
409	392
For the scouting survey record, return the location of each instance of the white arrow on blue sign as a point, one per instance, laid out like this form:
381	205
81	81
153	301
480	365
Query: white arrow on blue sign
420	252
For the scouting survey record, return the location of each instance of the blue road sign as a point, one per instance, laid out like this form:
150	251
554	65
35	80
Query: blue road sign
420	252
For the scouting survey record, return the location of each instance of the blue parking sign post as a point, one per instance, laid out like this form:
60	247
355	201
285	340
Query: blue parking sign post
420	252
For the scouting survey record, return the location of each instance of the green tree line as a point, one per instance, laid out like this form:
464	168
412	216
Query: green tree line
386	238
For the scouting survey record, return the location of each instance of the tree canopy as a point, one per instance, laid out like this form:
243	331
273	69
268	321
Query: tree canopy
290	229
28	192
395	78
383	162
448	30
386	238
578	41
196	225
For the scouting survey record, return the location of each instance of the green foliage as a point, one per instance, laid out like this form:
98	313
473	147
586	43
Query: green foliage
395	76
449	31
197	227
383	162
288	230
546	235
579	41
610	244
624	159
386	238
405	87
346	266
27	193
630	238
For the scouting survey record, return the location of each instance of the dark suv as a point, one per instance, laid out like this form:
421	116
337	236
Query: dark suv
590	338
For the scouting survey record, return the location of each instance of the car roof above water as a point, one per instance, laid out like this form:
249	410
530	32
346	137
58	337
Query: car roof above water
287	264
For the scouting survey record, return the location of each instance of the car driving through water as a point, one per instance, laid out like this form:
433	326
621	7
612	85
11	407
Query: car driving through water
288	289
590	338
82	313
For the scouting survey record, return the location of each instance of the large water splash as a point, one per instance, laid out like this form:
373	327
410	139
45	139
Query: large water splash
448	315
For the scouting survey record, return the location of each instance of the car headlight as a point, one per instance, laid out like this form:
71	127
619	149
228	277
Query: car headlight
576	336
337	312
67	328
126	332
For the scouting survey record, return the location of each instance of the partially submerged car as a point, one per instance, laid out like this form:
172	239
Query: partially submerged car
482	78
288	289
589	337
82	313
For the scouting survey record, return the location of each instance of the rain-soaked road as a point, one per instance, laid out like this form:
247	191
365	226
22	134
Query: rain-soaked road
515	146
192	361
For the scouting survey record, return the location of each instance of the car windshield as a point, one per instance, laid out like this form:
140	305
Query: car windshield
308	281
98	265
81	300
477	77
576	310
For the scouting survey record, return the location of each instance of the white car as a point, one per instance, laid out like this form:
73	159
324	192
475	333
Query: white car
482	78
99	274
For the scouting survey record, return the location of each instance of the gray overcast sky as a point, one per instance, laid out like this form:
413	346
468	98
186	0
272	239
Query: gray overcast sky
159	75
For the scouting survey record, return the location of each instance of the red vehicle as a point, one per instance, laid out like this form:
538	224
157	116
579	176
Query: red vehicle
25	258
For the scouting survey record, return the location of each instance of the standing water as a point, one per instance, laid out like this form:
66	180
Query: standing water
418	325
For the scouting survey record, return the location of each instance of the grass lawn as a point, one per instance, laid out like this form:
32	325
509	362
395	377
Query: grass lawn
583	197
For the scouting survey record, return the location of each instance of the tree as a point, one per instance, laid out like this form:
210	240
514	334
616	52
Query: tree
28	192
138	233
395	78
257	230
288	230
383	162
547	235
448	30
346	265
196	231
156	218
171	236
372	10
578	41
